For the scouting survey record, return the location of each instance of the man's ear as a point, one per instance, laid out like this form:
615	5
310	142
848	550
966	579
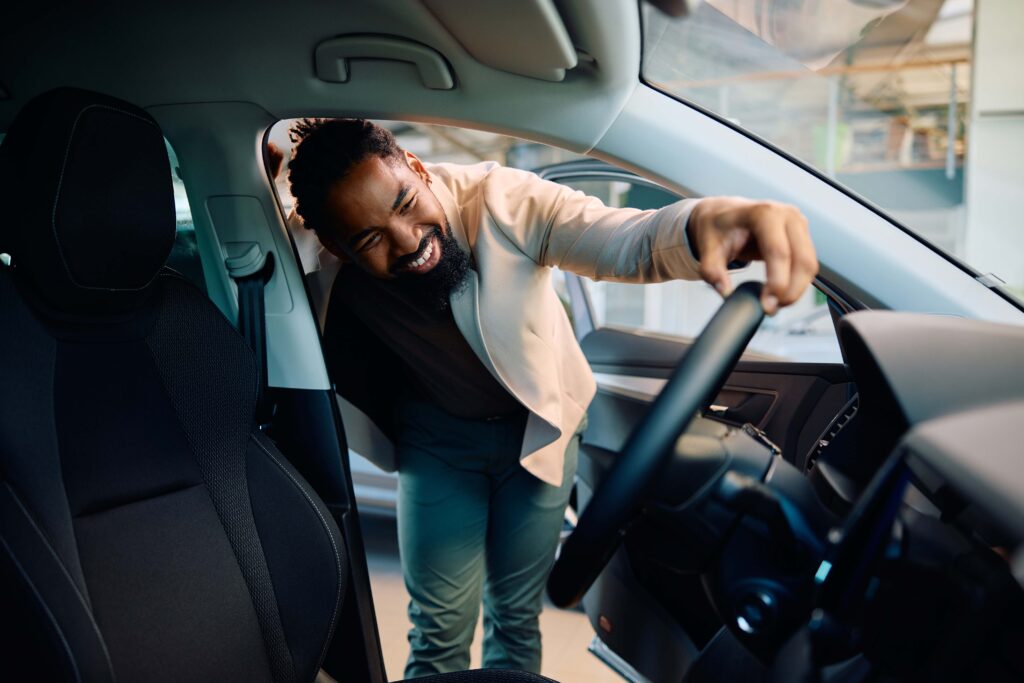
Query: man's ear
417	166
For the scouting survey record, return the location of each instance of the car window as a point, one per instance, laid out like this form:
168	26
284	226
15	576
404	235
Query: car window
803	332
432	144
914	106
184	256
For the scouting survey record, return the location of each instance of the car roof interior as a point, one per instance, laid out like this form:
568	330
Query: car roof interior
264	53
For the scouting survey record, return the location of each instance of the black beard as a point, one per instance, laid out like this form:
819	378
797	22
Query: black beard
434	288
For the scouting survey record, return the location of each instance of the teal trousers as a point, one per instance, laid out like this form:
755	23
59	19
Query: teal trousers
473	525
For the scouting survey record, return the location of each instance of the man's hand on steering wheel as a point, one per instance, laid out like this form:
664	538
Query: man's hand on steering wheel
725	229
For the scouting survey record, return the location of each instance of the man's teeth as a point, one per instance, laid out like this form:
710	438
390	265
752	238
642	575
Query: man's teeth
423	259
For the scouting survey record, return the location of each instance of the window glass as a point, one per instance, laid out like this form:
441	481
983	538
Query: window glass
184	257
802	332
876	94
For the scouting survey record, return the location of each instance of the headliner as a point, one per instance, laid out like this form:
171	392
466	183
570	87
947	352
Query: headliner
159	53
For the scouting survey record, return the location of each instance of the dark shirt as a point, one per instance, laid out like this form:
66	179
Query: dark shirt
439	364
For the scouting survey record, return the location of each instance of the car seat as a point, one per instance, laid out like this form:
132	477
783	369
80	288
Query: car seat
148	529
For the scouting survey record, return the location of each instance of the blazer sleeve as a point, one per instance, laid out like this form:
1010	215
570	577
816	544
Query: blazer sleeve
557	226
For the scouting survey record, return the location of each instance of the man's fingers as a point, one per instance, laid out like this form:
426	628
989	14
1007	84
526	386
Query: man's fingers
769	229
726	228
804	261
714	259
718	278
713	270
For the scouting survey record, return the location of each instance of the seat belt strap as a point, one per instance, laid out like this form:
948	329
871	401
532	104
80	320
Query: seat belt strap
252	271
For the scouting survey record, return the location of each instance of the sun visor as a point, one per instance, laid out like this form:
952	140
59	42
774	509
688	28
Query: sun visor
526	37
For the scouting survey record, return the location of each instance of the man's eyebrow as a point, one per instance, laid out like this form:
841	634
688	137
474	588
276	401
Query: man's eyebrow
401	197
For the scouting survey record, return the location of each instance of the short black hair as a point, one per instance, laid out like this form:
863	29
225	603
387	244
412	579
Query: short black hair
325	152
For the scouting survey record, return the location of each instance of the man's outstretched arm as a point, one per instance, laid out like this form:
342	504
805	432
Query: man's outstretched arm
557	226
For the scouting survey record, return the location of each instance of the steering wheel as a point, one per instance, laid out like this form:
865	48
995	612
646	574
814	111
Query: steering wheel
694	383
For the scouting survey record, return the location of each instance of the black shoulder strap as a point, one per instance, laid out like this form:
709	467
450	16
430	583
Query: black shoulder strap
252	323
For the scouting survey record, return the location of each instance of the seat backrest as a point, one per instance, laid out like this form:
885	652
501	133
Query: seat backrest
148	531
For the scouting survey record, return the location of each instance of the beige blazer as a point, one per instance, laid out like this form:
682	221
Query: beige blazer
517	227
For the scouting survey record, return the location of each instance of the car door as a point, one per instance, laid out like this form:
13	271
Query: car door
791	384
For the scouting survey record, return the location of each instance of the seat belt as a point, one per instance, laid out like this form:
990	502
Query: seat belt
251	271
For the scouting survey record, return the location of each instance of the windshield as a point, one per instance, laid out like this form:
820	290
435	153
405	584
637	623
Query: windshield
876	94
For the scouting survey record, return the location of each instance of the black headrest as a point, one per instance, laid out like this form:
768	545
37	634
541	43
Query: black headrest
89	207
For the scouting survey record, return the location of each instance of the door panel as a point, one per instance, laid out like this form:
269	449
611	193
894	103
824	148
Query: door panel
791	402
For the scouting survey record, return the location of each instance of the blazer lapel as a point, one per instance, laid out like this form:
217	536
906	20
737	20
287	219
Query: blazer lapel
465	302
465	305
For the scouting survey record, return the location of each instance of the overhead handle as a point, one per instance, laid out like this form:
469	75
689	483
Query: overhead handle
332	58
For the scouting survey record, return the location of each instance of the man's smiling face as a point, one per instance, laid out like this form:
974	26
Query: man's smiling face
384	217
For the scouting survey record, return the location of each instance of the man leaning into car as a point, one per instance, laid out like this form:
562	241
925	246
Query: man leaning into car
444	328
